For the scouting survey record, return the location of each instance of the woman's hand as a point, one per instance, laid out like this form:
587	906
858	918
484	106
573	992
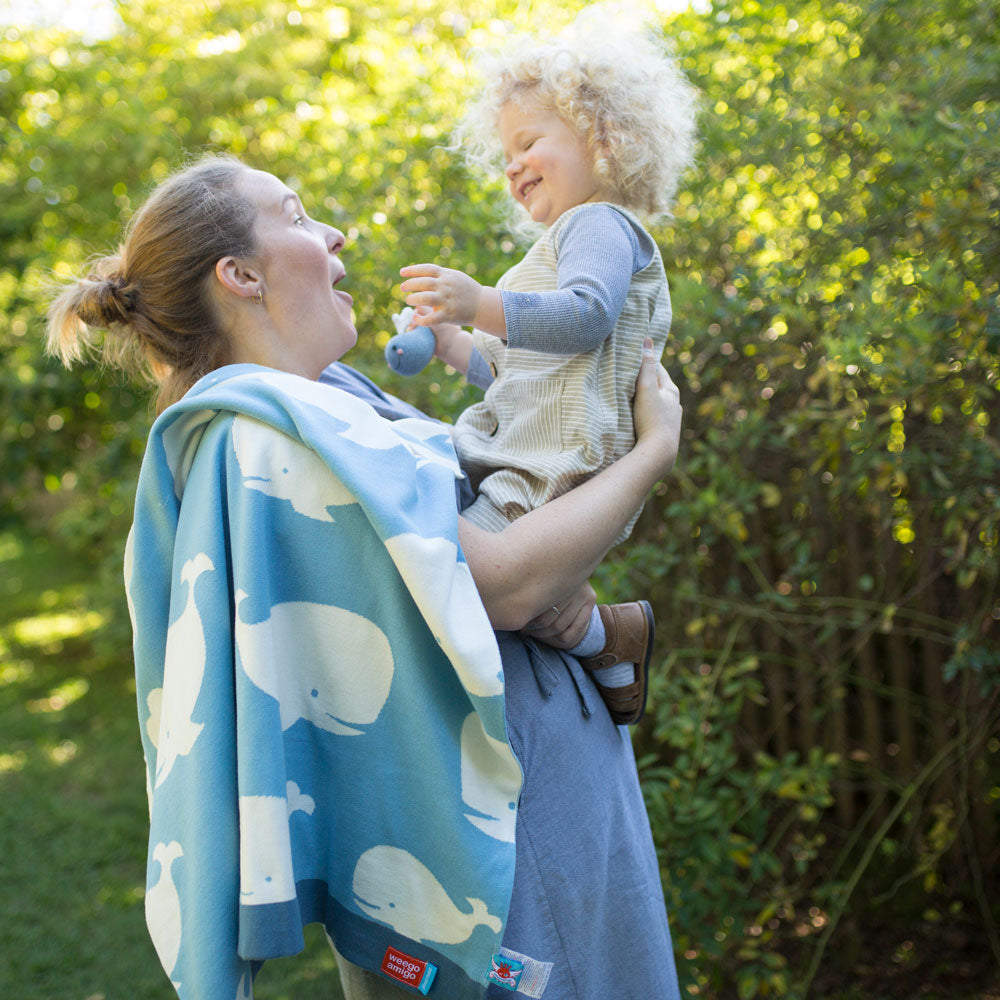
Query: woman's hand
564	625
656	409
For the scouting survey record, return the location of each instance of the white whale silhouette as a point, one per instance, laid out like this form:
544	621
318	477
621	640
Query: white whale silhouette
244	991
266	874
128	569
372	431
422	431
365	426
297	800
491	781
163	907
344	679
154	702
414	433
149	786
183	673
446	594
393	887
281	467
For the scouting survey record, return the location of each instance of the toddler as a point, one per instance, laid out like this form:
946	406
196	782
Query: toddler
592	132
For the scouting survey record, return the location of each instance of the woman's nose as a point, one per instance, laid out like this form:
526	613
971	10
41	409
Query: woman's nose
335	240
513	169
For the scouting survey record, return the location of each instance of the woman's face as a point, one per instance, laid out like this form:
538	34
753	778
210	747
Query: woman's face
299	259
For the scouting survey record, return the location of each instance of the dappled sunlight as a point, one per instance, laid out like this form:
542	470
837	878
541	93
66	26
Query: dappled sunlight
61	697
47	629
213	45
12	762
11	547
14	671
823	561
61	753
121	895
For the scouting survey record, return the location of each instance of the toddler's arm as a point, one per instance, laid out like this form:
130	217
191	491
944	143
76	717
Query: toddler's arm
598	252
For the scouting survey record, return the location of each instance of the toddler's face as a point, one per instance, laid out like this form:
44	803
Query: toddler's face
548	165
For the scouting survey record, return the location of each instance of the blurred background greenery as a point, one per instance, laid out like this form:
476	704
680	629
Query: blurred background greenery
821	762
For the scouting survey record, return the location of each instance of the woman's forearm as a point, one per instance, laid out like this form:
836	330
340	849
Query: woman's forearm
550	552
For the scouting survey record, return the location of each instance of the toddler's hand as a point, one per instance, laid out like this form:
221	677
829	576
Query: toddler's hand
440	294
411	350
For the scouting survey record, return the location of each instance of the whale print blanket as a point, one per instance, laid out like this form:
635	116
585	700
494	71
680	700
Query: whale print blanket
320	693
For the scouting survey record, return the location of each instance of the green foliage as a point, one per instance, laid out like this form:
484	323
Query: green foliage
840	245
732	829
830	539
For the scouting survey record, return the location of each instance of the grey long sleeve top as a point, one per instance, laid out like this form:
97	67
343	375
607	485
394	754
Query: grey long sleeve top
599	251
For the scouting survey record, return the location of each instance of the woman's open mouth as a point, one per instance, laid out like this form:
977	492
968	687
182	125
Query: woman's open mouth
340	291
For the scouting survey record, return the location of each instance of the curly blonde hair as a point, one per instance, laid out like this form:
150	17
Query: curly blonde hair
622	91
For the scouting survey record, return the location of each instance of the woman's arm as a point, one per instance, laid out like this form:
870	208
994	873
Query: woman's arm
548	554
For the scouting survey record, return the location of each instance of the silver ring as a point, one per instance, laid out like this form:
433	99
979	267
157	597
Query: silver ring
556	610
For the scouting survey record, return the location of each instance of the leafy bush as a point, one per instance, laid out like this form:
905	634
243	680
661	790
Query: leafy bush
825	561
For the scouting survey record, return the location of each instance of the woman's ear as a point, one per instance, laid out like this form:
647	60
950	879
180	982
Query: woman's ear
235	277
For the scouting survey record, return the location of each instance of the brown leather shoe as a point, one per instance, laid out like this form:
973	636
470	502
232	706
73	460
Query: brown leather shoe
628	630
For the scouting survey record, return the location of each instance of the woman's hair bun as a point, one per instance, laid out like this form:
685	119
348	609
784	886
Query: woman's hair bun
106	298
115	299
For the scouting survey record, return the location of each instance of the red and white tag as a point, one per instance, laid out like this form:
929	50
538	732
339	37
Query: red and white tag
408	970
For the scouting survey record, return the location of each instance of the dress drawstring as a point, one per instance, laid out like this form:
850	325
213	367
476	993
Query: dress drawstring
547	678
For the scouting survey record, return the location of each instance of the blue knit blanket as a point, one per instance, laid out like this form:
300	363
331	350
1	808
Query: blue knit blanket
320	693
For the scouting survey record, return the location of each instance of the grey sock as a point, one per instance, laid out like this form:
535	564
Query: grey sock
593	642
615	676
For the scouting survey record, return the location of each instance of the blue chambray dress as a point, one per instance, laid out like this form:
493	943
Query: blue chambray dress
587	898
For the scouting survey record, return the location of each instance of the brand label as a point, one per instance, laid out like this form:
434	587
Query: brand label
506	972
409	970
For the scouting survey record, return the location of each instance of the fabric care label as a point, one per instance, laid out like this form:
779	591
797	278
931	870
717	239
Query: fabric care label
408	970
519	973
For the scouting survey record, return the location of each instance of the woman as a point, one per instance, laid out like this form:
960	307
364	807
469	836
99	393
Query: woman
328	720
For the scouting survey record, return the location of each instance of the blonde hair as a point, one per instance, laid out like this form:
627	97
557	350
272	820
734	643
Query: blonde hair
152	297
621	91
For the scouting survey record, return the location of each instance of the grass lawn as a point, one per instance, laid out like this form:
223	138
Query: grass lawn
73	817
73	821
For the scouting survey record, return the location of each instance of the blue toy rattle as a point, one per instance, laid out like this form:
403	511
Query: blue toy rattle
410	351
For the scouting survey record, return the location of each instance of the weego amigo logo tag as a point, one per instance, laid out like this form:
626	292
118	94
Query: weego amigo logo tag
409	970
